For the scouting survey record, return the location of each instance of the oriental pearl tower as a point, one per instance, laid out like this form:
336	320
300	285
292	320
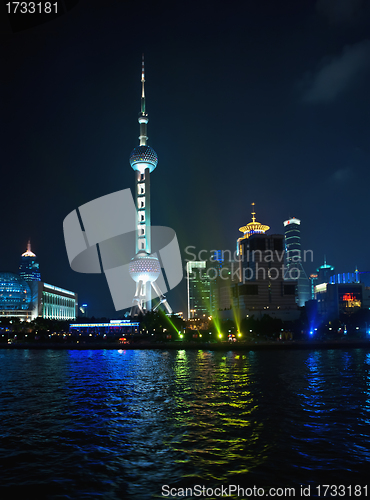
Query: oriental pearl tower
144	268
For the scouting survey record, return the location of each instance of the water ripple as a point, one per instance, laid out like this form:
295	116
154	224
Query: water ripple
120	424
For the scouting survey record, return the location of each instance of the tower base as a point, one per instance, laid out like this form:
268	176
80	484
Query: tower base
138	301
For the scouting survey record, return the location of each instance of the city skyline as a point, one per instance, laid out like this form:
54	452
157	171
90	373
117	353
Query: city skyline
261	103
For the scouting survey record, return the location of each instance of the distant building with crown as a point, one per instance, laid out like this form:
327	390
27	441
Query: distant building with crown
29	267
324	272
26	297
259	287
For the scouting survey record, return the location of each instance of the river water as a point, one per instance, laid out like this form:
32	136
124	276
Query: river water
112	425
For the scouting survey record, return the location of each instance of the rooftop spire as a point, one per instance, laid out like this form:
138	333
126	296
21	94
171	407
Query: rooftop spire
142	86
143	116
28	253
253	213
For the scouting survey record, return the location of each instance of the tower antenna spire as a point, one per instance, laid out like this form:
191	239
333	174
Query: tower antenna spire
143	115
142	86
253	213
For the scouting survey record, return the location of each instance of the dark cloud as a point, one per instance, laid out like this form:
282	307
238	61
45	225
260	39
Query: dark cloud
337	74
341	11
342	175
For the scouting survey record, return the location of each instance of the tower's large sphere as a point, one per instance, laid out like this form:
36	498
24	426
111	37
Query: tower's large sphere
14	292
144	268
143	157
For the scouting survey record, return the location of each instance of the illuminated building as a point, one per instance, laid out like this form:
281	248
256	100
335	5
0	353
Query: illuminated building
29	268
115	327
144	268
256	284
15	296
324	273
53	302
28	301
313	281
336	298
342	293
26	297
345	277
219	273
198	288
262	288
293	260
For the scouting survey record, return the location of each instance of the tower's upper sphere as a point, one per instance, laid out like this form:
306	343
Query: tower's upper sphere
144	268
143	157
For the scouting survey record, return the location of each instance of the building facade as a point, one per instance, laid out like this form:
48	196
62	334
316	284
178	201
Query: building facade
293	260
262	288
111	329
254	283
15	297
334	299
198	289
53	302
324	272
222	273
342	293
26	297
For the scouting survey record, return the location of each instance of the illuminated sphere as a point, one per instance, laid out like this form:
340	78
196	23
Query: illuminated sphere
143	157
14	292
144	268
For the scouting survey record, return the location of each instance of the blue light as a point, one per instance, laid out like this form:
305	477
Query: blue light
311	332
15	293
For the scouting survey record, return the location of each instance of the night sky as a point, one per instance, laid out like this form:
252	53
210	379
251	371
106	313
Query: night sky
263	101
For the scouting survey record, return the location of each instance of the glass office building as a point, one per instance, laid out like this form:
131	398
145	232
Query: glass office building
293	260
26	297
199	293
15	297
15	294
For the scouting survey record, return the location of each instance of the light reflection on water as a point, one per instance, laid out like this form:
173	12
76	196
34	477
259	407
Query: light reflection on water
120	424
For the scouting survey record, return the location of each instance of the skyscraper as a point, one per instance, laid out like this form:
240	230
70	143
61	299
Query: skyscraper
324	272
199	291
261	288
26	297
145	267
293	260
313	281
29	268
